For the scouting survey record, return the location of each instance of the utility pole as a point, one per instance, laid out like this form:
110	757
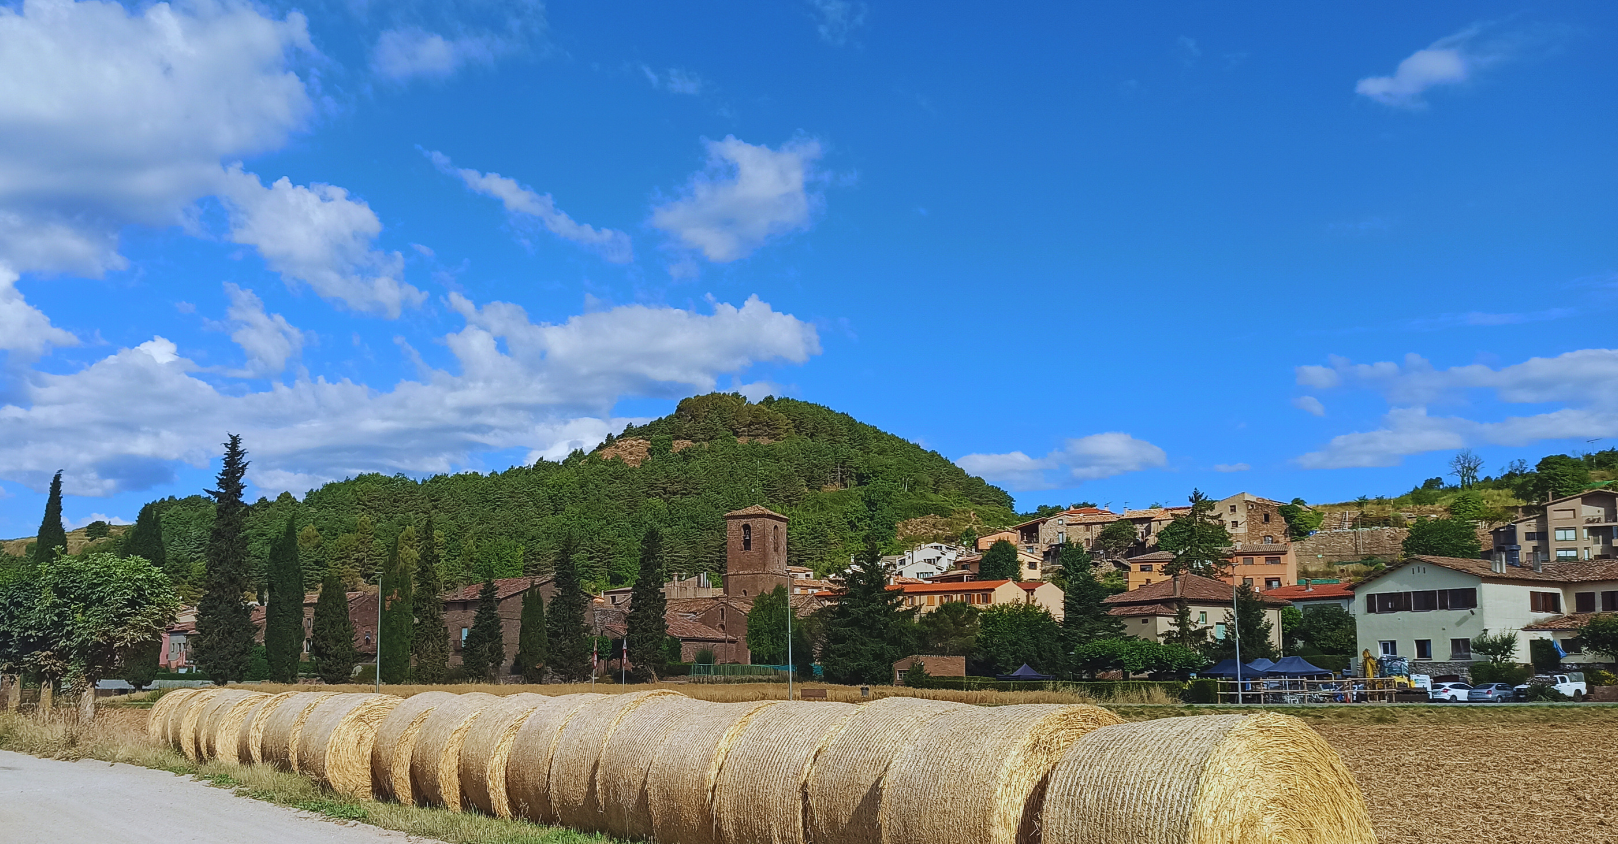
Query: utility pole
380	594
1235	632
789	636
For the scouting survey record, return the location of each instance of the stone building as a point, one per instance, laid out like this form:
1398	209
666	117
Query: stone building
461	606
755	552
1251	520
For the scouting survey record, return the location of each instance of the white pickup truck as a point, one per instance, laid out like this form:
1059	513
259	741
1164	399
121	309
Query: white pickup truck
1571	684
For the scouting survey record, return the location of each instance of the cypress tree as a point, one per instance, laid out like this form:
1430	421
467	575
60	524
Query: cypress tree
224	640
532	646
398	610
1084	615
283	615
869	629
145	539
485	648
648	624
569	642
430	645
332	640
51	535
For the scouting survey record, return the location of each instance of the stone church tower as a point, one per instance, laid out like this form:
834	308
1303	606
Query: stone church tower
755	552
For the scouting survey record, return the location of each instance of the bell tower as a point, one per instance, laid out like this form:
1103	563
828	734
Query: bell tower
755	552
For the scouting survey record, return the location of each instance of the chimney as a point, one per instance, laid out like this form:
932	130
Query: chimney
1539	565
1498	565
1308	585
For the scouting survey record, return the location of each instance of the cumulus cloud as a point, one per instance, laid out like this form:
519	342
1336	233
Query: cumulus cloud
1082	459
321	237
527	206
836	20
127	420
405	54
117	116
1310	405
1584	383
1448	61
747	195
24	328
1231	467
267	340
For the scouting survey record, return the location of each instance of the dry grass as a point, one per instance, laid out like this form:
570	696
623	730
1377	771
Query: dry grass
749	692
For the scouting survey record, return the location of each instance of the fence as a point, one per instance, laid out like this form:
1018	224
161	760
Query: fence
704	673
1289	691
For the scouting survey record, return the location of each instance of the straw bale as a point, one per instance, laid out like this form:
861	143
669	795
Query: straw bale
395	740
280	742
225	726
758	797
680	781
212	712
995	761
335	744
1213	779
487	747
253	733
844	790
528	768
578	751
244	730
157	718
435	773
626	756
194	708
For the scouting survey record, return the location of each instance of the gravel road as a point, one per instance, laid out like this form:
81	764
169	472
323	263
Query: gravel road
43	800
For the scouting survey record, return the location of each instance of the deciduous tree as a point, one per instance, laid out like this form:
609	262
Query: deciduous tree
767	628
1118	537
1443	538
1000	563
1012	635
950	630
1600	635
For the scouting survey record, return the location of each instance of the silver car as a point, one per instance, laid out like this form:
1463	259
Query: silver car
1490	693
1448	691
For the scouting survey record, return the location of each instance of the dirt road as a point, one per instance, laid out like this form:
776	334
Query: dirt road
42	800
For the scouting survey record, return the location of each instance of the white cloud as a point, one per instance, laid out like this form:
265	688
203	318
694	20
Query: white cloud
1082	459
1310	405
524	203
319	236
674	80
405	54
836	20
24	328
268	340
1448	61
115	116
1584	383
746	196
127	420
1231	467
75	524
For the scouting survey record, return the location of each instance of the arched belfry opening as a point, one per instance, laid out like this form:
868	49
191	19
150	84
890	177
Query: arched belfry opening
755	568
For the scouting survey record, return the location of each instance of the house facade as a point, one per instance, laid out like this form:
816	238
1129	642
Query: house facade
927	597
1577	527
1311	594
461	607
1149	612
1251	520
1263	565
1431	608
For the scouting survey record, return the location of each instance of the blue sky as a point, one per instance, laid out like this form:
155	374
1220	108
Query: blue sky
1089	252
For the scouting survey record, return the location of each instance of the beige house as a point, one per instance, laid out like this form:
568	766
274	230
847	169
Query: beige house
983	594
1043	536
1251	520
1149	612
1578	527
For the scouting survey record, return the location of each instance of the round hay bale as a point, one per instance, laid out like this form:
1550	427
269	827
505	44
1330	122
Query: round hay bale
280	743
995	761
680	781
253	732
487	747
578	751
195	707
335	744
435	772
844	791
176	718
1212	779
212	714
528	768
758	796
157	719
626	756
244	730
395	740
226	727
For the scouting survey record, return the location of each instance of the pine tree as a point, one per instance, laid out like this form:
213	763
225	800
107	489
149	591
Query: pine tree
532	650
283	615
1182	630
1084	614
869	629
1000	563
52	538
224	640
1251	626
485	648
398	608
648	624
1198	540
145	539
430	645
568	640
332	640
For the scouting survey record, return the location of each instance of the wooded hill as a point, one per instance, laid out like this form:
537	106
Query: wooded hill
839	480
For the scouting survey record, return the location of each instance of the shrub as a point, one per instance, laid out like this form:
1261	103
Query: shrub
1543	653
704	657
1204	690
1600	677
1488	672
916	675
1542	693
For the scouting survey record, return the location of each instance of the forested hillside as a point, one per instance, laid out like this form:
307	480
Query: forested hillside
836	478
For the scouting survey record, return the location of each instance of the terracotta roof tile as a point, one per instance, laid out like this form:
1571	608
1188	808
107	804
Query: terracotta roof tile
1153	557
754	510
1571	621
1320	591
1142	609
505	587
1191	587
1569	571
934	588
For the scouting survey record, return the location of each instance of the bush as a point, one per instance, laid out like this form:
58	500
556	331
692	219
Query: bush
1202	691
1541	693
704	657
916	675
1487	672
1600	677
677	669
1544	656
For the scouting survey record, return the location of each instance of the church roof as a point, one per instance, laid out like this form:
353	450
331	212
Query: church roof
755	510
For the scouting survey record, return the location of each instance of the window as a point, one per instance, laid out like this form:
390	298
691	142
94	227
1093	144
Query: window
1440	599
1202	618
1272	561
1247	561
1272	583
1424	601
1269	540
1460	649
1530	536
1145	566
1567	553
1219	630
1388	647
1266	518
932	600
1032	566
1609	601
463	635
777	537
1235	524
1424	649
1247	581
1545	601
1584	602
1233	509
1567	534
747	537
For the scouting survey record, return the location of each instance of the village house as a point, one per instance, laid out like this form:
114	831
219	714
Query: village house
461	607
1265	566
1315	593
983	594
1575	527
1251	520
1149	612
1043	537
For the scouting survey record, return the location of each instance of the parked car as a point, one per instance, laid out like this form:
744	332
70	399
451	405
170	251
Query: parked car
1449	691
1572	685
1490	693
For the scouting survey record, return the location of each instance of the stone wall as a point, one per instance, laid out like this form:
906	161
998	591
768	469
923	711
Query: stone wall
1348	546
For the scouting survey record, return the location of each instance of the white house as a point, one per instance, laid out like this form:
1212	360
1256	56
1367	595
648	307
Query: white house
924	561
1430	608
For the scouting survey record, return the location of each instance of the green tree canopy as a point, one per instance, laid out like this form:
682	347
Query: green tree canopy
532	646
568	641
1301	520
1467	506
647	628
767	627
283	614
1327	629
1011	635
429	646
1000	562
1118	537
145	538
1500	648
1251	626
225	634
1443	538
331	642
1085	616
1559	475
1135	656
869	628
1600	635
950	630
1197	539
397	636
484	652
51	538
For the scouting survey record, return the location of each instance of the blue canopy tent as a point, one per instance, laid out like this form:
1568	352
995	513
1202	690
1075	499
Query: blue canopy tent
1224	669
1295	666
1024	673
1261	664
